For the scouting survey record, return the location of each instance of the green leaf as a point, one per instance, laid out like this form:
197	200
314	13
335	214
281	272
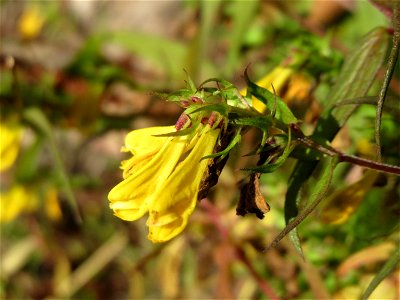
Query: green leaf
226	84
263	122
179	95
39	121
355	79
269	168
160	51
190	83
319	192
391	105
29	160
387	268
221	108
273	102
229	92
224	152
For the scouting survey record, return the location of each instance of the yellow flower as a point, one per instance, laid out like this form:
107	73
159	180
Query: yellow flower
52	206
177	196
158	181
30	23
16	200
19	199
10	135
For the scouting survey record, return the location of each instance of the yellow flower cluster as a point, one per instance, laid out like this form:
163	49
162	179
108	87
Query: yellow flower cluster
162	178
18	198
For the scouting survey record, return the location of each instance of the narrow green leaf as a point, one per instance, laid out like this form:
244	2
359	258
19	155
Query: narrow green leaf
391	105
224	152
273	102
190	83
263	123
225	84
387	268
269	168
178	95
38	120
221	108
29	160
316	197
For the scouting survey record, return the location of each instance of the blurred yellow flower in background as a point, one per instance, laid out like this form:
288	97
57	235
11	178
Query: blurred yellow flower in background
10	137
20	199
16	200
30	23
158	180
294	87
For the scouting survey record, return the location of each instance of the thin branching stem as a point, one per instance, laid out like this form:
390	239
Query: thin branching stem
371	164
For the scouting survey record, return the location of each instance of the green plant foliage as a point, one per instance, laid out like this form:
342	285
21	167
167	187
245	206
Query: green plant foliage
273	112
361	67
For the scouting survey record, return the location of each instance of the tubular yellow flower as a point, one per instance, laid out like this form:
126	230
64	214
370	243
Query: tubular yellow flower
10	135
144	172
157	180
177	197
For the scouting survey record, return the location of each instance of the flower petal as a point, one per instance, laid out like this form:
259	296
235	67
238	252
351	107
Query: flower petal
130	198
142	141
177	197
135	162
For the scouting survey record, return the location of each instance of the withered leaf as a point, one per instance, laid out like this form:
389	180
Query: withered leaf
251	200
216	164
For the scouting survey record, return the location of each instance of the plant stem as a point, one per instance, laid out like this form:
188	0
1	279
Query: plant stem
389	72
375	165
